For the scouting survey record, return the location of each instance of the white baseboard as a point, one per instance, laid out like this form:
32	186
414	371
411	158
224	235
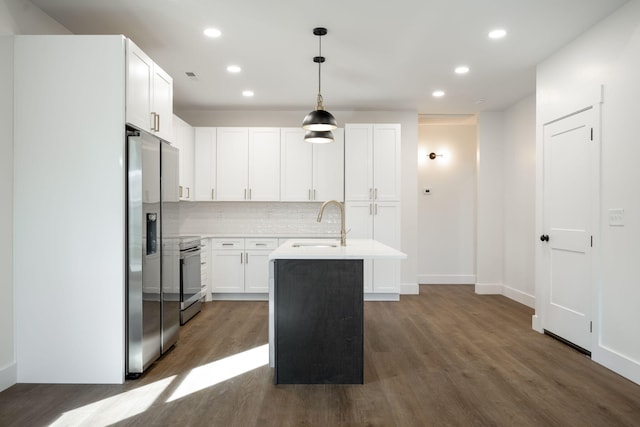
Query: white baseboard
518	295
511	293
536	324
409	289
617	362
446	279
489	288
382	297
239	297
8	376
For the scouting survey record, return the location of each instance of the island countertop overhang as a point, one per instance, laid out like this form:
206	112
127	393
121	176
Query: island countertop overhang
331	249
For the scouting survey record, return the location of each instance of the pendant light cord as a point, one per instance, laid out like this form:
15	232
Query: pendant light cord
320	60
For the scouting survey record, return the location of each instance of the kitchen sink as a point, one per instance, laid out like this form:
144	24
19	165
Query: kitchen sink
314	245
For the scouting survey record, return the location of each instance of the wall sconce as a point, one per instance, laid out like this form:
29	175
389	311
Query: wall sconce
433	156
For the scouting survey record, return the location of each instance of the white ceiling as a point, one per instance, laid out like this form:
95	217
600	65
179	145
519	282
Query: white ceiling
381	55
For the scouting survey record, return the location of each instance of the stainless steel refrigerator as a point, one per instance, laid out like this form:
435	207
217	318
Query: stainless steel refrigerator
153	287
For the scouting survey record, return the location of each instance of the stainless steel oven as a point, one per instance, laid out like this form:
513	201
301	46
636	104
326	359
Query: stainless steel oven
190	290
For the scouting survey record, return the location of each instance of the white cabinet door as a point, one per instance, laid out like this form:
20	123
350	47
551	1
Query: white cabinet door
162	103
232	152
328	169
227	270
358	159
149	94
379	221
183	139
205	164
386	162
264	164
139	78
256	271
296	179
372	162
386	230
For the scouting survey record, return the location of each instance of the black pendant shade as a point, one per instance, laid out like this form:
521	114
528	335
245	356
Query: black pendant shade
319	122
319	137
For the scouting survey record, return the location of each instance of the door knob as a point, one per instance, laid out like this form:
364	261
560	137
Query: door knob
544	238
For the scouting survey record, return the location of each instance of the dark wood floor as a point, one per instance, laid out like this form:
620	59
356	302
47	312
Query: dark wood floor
447	357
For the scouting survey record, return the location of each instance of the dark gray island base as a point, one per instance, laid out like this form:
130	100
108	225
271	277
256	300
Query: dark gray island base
318	308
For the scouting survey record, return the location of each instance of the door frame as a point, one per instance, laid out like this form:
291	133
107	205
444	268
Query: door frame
541	258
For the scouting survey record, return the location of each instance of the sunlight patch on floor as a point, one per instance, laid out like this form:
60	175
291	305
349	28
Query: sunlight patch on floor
221	370
116	408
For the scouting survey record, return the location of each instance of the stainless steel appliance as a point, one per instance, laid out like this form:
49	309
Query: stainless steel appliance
153	305
190	289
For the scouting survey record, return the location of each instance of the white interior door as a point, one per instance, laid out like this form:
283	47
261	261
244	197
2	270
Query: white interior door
569	151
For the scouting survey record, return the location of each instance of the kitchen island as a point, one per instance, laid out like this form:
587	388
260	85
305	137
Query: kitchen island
316	309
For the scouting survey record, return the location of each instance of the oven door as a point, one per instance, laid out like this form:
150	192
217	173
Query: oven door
189	277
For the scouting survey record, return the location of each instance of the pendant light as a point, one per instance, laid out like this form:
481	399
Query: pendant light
319	136
319	122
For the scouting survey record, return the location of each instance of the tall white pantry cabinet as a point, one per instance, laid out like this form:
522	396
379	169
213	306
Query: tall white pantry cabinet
70	112
372	197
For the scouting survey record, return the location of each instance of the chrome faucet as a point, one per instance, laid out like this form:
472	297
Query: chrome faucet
343	233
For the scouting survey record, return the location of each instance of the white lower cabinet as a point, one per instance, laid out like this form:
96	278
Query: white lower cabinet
379	221
241	265
204	269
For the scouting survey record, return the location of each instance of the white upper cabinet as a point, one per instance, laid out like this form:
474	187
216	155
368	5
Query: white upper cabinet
311	172
205	164
296	168
149	94
183	139
372	162
264	164
232	166
248	164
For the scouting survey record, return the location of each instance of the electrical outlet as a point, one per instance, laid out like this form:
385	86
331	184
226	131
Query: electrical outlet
427	191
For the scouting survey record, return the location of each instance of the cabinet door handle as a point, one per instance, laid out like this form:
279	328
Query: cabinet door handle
375	194
157	122
309	194
180	191
188	193
249	194
153	121
370	208
261	244
315	194
246	257
375	209
227	244
370	193
245	194
213	194
241	255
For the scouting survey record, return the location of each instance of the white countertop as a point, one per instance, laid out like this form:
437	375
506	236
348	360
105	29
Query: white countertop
355	249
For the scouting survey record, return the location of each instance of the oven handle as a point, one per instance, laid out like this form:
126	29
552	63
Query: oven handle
189	253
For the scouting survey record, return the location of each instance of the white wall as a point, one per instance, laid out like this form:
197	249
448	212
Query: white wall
490	202
570	80
447	215
16	17
409	123
519	201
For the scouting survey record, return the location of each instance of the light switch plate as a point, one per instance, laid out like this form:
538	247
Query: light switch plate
616	217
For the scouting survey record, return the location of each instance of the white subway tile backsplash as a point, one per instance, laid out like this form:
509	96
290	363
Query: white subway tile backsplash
268	218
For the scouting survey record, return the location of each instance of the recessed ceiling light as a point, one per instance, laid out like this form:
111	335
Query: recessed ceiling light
438	93
212	32
463	69
234	69
247	93
497	34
